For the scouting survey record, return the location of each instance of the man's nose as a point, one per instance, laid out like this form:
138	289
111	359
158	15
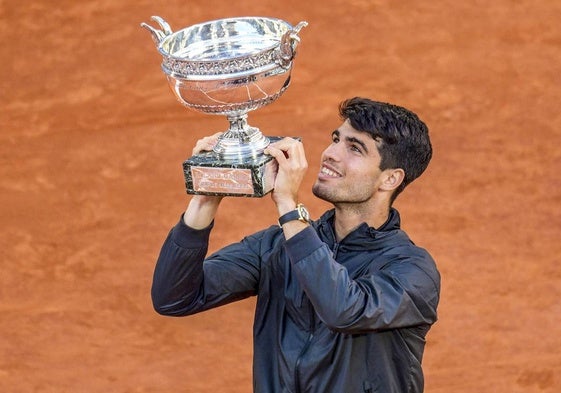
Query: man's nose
332	152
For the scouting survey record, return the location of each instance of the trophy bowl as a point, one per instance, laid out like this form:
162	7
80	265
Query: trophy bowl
229	67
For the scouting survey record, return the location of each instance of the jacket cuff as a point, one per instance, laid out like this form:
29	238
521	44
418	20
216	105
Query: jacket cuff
187	237
302	244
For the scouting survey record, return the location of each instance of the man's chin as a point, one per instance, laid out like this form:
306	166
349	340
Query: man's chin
320	192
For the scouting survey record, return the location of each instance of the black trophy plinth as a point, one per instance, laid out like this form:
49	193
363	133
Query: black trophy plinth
206	174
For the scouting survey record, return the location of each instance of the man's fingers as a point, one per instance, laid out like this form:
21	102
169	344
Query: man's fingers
273	149
285	143
207	143
291	148
289	153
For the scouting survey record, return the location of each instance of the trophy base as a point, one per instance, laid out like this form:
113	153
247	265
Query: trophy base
206	174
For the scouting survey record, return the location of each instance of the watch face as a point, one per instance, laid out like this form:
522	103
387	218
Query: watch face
304	215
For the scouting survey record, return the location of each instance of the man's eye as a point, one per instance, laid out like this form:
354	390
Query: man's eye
355	148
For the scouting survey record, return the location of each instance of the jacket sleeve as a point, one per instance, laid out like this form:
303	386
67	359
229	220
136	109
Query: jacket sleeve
403	293
185	283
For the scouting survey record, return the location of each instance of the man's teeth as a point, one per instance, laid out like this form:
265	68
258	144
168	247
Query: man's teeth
329	172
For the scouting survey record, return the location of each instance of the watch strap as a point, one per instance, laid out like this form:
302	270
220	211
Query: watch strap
290	216
300	214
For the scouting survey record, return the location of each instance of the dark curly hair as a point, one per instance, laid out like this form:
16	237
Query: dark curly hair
404	137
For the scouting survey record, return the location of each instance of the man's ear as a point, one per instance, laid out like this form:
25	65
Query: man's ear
392	178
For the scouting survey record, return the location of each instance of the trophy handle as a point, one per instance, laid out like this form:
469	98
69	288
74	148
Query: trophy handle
158	35
287	47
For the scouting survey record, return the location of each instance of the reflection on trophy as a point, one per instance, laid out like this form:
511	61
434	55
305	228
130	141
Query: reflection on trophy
229	67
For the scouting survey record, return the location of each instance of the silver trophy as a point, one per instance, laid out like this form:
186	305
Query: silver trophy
229	67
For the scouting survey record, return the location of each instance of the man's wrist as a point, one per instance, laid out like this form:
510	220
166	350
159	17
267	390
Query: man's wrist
300	213
201	211
286	206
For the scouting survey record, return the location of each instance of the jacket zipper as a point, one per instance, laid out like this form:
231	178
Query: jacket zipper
335	249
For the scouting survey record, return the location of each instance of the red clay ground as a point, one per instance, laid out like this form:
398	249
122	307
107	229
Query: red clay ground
91	145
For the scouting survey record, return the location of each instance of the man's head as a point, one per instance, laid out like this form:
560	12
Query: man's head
378	150
403	138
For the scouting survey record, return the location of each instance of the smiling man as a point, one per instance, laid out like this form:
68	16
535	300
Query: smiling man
343	302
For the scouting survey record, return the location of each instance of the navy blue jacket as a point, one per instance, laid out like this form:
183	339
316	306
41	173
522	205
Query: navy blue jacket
331	317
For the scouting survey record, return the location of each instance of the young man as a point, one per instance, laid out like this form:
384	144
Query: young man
343	303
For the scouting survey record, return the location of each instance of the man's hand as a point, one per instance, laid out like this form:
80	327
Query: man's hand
202	208
291	158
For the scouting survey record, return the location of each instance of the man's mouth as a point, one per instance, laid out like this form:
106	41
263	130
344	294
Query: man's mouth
329	172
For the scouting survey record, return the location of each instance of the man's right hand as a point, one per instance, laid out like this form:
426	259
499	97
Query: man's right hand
202	208
207	143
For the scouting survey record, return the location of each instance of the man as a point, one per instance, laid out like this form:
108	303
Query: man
343	303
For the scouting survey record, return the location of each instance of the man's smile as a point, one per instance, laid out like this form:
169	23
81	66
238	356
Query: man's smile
325	171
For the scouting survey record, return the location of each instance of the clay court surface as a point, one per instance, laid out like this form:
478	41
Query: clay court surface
91	146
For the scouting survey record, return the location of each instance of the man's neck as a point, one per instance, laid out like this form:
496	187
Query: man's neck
349	216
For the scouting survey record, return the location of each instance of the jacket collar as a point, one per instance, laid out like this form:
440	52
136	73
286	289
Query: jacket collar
363	236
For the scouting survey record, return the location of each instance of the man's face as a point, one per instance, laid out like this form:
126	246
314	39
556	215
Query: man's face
350	167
